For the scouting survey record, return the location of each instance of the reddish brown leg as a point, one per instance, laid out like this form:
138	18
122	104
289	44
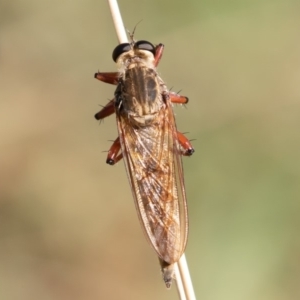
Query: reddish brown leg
175	98
187	148
108	77
112	156
158	53
106	111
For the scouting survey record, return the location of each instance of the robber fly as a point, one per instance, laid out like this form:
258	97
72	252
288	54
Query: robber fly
151	147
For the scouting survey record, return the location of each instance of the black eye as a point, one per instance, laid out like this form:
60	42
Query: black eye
119	50
144	45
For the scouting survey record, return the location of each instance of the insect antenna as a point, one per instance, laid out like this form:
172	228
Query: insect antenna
131	35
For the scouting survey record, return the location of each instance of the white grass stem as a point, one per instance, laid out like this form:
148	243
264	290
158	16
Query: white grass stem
185	278
179	285
118	22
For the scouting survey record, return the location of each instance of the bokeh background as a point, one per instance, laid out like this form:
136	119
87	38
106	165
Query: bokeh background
68	226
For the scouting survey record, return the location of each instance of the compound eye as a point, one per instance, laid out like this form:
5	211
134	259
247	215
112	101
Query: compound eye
145	45
120	49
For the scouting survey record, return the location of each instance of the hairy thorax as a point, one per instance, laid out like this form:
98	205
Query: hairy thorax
140	93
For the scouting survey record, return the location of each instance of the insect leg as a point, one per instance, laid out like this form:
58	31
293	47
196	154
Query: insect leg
108	77
113	157
186	146
175	98
106	111
158	53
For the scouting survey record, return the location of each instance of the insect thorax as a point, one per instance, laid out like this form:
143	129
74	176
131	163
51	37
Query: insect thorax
139	95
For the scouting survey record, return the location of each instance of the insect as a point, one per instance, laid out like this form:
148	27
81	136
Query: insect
151	146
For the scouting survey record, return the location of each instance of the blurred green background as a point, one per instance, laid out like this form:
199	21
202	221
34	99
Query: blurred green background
68	226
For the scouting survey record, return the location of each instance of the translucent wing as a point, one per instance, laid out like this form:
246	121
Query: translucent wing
155	172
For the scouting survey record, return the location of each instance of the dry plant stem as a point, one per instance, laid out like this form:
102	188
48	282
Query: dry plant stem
180	288
182	275
118	22
186	278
